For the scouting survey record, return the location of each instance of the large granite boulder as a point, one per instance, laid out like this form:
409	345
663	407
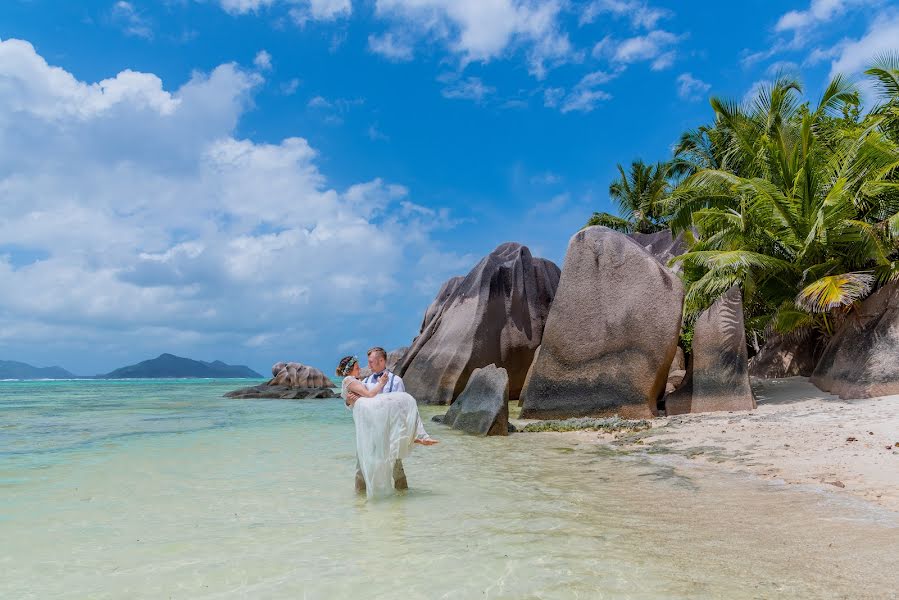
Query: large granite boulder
483	406
862	359
495	315
784	356
446	291
527	376
297	375
291	380
611	334
662	245
719	373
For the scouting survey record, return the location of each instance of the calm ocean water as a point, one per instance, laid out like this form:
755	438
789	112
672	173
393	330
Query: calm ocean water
165	489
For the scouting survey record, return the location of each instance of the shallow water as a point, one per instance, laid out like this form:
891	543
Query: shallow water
145	489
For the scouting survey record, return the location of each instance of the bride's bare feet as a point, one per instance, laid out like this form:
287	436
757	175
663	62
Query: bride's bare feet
427	442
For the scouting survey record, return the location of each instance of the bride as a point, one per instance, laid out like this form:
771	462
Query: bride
387	425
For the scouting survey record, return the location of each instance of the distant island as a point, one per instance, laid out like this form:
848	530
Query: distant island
169	365
161	367
11	369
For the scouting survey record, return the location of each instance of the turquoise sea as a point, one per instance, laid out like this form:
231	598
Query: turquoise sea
165	489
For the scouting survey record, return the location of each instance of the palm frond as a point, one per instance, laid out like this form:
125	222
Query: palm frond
834	291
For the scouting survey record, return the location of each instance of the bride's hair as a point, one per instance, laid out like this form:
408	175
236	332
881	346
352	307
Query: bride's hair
346	365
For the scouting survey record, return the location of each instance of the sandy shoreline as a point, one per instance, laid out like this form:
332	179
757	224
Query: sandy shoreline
798	434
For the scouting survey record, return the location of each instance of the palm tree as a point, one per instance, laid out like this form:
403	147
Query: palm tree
792	203
639	196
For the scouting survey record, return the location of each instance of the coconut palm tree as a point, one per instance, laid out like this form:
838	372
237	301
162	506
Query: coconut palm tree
792	202
639	195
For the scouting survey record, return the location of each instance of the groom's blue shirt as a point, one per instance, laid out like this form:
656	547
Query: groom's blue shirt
394	382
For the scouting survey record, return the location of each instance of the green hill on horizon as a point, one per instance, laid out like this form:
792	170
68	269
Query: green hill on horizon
171	366
12	369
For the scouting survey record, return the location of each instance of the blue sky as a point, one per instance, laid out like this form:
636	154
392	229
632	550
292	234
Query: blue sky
263	180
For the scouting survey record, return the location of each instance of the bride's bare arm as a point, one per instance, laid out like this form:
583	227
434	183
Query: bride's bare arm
361	390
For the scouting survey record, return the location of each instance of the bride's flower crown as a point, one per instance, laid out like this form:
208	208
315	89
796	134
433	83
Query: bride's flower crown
346	365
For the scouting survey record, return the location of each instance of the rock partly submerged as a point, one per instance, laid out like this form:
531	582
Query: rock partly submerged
290	381
483	406
611	334
494	315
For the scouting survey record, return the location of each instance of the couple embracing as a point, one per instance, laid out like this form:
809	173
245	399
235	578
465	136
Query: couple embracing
387	423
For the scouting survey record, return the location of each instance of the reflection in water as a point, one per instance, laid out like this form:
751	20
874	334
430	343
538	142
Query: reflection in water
255	499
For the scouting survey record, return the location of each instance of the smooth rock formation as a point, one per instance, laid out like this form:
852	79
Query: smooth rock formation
783	357
483	406
862	359
719	367
611	334
294	374
283	392
662	245
446	291
495	315
291	381
527	377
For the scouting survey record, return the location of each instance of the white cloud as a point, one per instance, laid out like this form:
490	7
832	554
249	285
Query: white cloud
553	96
289	87
468	88
154	224
799	27
639	13
241	7
390	46
300	11
655	46
132	22
321	10
483	30
853	56
263	61
691	88
584	96
818	13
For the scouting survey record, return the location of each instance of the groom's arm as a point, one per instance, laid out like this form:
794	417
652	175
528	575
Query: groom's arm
398	385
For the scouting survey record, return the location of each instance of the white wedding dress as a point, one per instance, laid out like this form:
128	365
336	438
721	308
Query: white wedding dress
386	429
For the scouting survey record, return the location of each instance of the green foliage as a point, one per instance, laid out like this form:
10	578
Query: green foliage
795	201
639	195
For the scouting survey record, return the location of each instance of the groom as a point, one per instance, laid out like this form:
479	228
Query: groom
377	362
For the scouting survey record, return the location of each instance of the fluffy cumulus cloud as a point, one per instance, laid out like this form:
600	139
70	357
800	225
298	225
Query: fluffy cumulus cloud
131	214
476	30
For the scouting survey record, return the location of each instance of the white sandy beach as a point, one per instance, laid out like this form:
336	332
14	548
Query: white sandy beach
798	434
